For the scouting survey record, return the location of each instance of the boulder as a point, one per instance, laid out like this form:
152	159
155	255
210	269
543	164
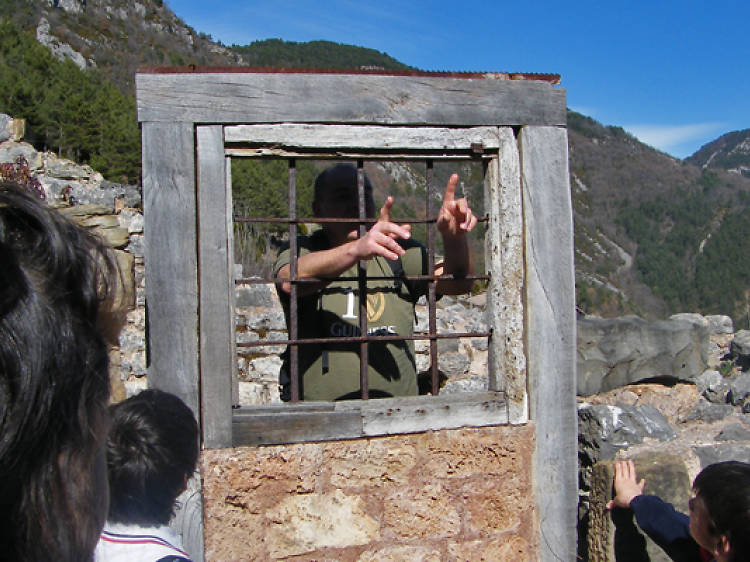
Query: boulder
713	386
739	389
705	411
711	454
603	429
740	347
615	352
11	129
720	324
734	432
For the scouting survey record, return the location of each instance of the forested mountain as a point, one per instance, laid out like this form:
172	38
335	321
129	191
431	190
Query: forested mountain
728	152
654	234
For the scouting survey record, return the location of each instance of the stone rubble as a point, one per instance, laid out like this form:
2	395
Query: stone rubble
113	212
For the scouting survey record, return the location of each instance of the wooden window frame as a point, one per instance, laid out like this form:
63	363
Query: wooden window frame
186	118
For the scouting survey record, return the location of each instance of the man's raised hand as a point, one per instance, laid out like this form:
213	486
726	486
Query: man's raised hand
381	239
455	217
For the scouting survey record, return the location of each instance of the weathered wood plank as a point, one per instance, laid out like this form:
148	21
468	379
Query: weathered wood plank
233	274
354	137
216	345
267	152
550	307
298	427
169	210
505	302
351	419
357	99
433	413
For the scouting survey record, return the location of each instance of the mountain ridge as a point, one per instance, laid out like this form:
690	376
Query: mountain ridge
647	225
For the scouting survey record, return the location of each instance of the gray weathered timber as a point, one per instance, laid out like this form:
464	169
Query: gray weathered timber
231	268
273	152
355	99
216	346
169	211
504	247
295	427
414	415
550	310
330	421
354	137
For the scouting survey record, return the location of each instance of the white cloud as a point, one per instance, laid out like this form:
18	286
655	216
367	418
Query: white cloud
679	140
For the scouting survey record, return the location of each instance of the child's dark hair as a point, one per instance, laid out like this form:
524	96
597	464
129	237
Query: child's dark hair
725	490
55	279
152	450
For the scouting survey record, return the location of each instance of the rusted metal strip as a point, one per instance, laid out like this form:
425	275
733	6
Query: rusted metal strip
474	75
431	297
320	220
361	339
302	281
293	328
362	281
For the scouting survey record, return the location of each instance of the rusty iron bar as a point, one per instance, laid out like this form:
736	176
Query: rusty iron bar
309	280
360	339
466	75
321	220
431	296
293	328
362	282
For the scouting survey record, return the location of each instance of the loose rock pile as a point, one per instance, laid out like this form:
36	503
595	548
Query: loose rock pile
672	417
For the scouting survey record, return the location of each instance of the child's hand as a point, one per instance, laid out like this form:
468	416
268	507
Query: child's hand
627	486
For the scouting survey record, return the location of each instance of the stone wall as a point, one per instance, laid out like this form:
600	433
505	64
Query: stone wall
450	495
113	212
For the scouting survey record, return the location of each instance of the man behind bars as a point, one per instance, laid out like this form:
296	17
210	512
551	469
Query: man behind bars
330	307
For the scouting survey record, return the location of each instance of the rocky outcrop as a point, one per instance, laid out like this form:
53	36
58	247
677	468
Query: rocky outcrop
614	352
672	428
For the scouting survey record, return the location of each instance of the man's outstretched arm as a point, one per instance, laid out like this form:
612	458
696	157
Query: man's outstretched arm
380	240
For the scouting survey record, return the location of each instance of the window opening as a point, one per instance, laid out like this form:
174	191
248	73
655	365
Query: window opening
265	244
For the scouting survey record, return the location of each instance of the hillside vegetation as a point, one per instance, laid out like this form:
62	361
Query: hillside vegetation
653	235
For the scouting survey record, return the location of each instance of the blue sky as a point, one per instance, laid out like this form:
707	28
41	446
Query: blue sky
674	74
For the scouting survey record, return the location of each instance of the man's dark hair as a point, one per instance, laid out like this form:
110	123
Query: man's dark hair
724	488
152	450
55	279
341	175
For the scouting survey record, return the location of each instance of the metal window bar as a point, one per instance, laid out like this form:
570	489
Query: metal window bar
363	339
293	328
362	282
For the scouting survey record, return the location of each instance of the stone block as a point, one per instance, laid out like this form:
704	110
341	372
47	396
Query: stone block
421	513
373	463
614	535
401	554
304	523
513	547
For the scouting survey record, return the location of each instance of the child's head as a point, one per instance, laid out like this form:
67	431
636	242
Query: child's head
720	510
152	450
55	279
